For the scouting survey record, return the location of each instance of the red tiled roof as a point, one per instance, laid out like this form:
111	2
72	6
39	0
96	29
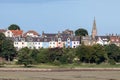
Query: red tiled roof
17	32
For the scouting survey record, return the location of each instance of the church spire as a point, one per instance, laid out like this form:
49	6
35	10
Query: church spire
94	29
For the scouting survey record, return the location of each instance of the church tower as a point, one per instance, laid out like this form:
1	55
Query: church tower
94	29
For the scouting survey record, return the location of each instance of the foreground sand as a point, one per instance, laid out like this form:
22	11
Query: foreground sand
61	75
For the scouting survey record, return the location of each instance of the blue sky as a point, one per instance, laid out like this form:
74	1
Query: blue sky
58	15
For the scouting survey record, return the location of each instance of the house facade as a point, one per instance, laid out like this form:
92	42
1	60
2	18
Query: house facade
102	40
8	33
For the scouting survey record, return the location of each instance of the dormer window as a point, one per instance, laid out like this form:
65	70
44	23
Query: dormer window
23	39
68	39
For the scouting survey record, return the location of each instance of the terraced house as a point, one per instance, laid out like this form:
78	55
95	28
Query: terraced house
32	39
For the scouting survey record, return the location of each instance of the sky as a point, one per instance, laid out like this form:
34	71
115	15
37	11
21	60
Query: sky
52	16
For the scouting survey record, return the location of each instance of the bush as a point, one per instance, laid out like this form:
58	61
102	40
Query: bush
112	62
56	62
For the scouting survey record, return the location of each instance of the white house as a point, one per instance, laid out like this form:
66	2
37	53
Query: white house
20	43
37	43
8	33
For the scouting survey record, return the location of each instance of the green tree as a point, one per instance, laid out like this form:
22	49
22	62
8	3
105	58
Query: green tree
2	38
84	53
91	54
24	57
42	56
99	54
70	55
8	50
113	52
13	27
34	54
81	32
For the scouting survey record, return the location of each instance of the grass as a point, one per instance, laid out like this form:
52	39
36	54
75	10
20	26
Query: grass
82	65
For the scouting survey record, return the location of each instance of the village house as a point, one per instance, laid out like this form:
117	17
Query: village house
31	33
102	40
115	39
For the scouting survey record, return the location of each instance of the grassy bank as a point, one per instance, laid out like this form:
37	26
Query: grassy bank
82	65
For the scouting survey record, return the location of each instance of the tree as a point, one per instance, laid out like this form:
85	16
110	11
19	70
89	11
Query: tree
2	38
81	32
33	54
84	53
42	56
13	27
24	57
55	54
91	54
69	54
99	54
8	50
113	52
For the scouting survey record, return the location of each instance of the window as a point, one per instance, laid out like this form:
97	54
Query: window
68	39
74	42
16	43
59	39
22	43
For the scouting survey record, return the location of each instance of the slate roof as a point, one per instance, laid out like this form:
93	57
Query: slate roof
2	30
49	35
